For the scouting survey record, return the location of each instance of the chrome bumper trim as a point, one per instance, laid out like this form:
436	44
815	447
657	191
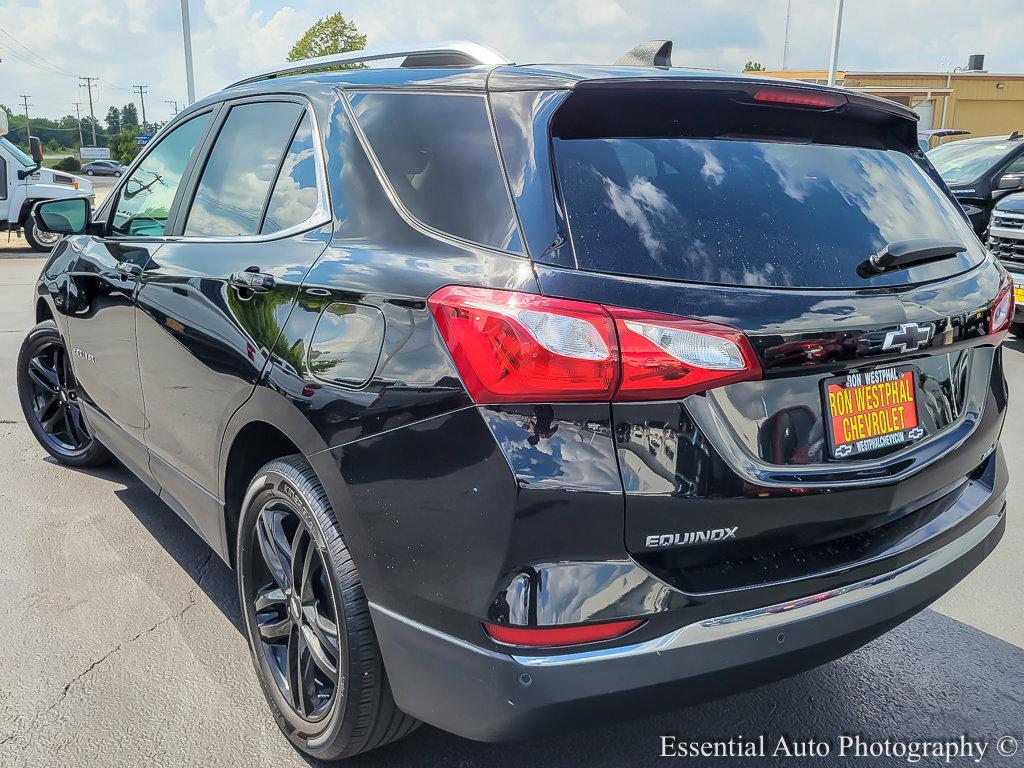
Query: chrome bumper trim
759	619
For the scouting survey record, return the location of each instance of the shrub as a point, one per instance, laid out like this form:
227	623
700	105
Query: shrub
69	164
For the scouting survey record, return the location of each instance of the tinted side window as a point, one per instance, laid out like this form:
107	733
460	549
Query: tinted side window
1017	166
295	195
233	190
145	199
438	153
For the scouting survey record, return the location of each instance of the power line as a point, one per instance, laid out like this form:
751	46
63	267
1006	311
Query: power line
38	56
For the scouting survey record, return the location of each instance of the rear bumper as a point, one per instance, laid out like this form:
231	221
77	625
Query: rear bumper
489	696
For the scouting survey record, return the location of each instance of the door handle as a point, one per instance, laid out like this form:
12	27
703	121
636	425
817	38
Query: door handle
257	282
128	269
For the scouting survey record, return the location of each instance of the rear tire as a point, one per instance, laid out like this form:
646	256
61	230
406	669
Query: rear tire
1017	329
49	399
307	619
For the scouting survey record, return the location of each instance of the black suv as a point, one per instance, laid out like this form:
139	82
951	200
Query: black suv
980	172
529	397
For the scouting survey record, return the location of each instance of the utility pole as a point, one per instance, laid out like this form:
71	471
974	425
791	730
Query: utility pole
833	58
174	104
785	44
28	128
78	112
187	34
141	89
88	84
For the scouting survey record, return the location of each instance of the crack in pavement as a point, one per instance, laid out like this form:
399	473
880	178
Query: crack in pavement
192	596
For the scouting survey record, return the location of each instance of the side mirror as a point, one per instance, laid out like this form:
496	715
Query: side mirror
36	147
1010	181
62	217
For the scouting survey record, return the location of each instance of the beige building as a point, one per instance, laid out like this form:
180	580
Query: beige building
983	103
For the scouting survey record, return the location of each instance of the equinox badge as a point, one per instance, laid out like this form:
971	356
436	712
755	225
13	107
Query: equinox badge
691	537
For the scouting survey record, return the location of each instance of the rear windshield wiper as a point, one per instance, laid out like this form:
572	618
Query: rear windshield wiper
907	253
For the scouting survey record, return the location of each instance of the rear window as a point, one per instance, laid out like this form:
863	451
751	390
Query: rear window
748	212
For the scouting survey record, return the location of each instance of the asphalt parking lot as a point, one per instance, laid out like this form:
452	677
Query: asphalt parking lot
120	641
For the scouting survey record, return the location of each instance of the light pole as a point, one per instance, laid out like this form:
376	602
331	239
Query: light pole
833	57
187	34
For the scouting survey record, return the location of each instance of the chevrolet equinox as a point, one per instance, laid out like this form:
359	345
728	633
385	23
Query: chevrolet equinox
523	398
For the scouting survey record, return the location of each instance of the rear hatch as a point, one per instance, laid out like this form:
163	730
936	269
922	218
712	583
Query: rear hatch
759	207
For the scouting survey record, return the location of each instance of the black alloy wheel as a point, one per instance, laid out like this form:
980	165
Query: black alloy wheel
307	618
296	617
51	401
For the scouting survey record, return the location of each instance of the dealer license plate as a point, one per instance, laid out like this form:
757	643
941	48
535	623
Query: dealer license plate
869	411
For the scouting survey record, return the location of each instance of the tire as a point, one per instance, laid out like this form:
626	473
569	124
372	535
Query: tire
90	172
69	439
117	174
327	718
1017	329
38	241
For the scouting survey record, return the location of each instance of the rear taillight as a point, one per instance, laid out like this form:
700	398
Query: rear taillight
514	346
1002	309
518	347
550	637
666	357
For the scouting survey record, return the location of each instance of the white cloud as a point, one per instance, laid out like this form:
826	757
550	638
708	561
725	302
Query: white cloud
127	42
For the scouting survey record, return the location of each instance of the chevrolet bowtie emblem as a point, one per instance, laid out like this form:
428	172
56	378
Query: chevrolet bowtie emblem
908	337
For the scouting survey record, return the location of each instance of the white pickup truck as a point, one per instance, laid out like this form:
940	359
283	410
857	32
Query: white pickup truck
24	182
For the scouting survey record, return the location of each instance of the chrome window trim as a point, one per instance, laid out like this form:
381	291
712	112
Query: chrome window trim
392	195
320	216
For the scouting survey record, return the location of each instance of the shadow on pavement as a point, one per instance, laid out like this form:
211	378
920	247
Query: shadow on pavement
932	678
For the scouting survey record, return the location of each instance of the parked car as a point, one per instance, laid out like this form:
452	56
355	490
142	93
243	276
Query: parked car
980	172
1006	242
104	168
396	326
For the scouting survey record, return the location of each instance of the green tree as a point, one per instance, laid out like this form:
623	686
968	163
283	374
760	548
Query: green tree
113	120
129	117
753	66
123	148
333	34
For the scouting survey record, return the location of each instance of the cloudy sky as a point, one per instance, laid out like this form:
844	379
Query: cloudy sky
128	42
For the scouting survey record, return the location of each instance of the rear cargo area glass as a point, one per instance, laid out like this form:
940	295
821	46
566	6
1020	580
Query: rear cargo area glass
751	212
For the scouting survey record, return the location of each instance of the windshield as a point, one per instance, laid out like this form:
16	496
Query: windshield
961	162
20	156
758	213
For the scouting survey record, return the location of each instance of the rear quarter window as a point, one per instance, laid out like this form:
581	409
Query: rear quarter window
757	213
439	155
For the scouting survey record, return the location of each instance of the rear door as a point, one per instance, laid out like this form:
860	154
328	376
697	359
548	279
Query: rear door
759	210
213	302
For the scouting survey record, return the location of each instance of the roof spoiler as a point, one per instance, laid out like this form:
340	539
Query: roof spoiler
652	53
